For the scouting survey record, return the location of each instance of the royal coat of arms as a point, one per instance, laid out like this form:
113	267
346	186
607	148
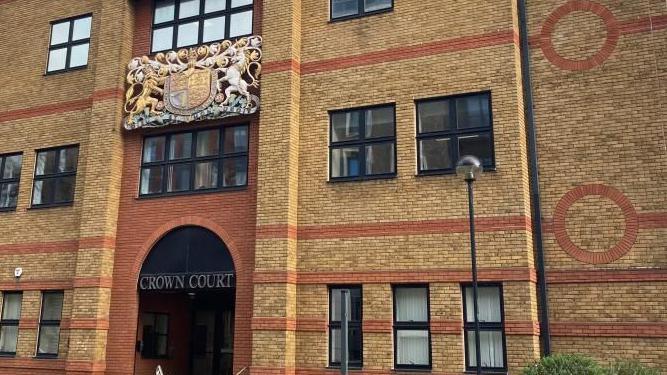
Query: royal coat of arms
201	83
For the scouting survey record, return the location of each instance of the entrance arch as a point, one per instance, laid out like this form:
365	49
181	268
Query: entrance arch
186	290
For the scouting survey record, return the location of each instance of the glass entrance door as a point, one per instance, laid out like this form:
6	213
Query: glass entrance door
212	341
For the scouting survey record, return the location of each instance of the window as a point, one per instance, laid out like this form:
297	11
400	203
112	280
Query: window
363	143
412	339
451	127
184	23
10	173
49	324
354	337
55	176
195	161
492	335
70	41
155	333
343	9
9	322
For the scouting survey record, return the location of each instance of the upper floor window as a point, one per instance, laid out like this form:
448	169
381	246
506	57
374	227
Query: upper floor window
9	321
55	176
195	161
49	324
354	336
10	173
184	23
70	41
363	143
492	333
341	9
412	338
451	127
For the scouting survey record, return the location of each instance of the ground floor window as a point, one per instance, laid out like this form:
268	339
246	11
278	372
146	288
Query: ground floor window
492	335
49	324
412	339
155	329
9	322
354	336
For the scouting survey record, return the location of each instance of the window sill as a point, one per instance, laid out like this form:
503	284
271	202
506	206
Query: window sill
51	205
487	372
192	192
7	209
7	355
449	172
45	356
362	15
351	368
407	369
336	180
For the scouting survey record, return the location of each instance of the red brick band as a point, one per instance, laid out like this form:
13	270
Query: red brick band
616	252
65	246
574	276
604	329
549	26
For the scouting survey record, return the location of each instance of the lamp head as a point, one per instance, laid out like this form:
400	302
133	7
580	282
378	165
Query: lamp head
469	168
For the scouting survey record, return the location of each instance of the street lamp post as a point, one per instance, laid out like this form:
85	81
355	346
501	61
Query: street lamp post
469	167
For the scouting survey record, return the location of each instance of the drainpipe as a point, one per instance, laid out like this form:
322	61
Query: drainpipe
534	179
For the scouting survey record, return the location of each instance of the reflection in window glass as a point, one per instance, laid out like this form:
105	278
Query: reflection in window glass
345	162
344	8
187	34
214	29
206	175
240	24
380	159
55	176
235	172
163	38
180	146
188	8
151	180
164	11
81	28
57	59
60	33
214	5
10	174
79	55
178	177
380	122
236	139
375	5
345	126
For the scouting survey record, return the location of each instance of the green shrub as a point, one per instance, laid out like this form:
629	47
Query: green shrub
565	364
629	368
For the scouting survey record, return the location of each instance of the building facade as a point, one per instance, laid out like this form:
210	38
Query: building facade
144	225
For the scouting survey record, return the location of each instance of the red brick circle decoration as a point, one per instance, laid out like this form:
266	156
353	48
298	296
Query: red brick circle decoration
616	252
611	24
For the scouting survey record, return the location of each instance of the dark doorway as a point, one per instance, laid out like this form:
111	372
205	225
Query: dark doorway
212	339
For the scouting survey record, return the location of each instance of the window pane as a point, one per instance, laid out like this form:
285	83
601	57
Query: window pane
9	193
411	304
234	172
412	347
8	337
434	116
342	8
48	339
151	180
488	303
188	8
161	324
345	126
335	345
64	187
380	159
154	149
11	306
373	5
208	143
43	191
67	159
353	307
380	122
12	166
57	59
79	56
81	28
46	162
435	154
214	5
206	175
238	3
345	162
164	11
472	111
354	344
163	38
161	345
478	145
214	29
180	146
240	24
188	34
178	177
490	348
60	33
52	306
236	139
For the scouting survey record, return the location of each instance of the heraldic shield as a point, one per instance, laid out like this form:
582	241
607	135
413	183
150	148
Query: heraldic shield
189	92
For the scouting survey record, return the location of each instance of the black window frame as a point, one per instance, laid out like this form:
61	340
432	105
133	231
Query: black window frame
193	160
361	11
362	142
49	323
336	324
43	177
417	326
69	44
484	326
199	18
145	353
454	134
16	180
11	322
